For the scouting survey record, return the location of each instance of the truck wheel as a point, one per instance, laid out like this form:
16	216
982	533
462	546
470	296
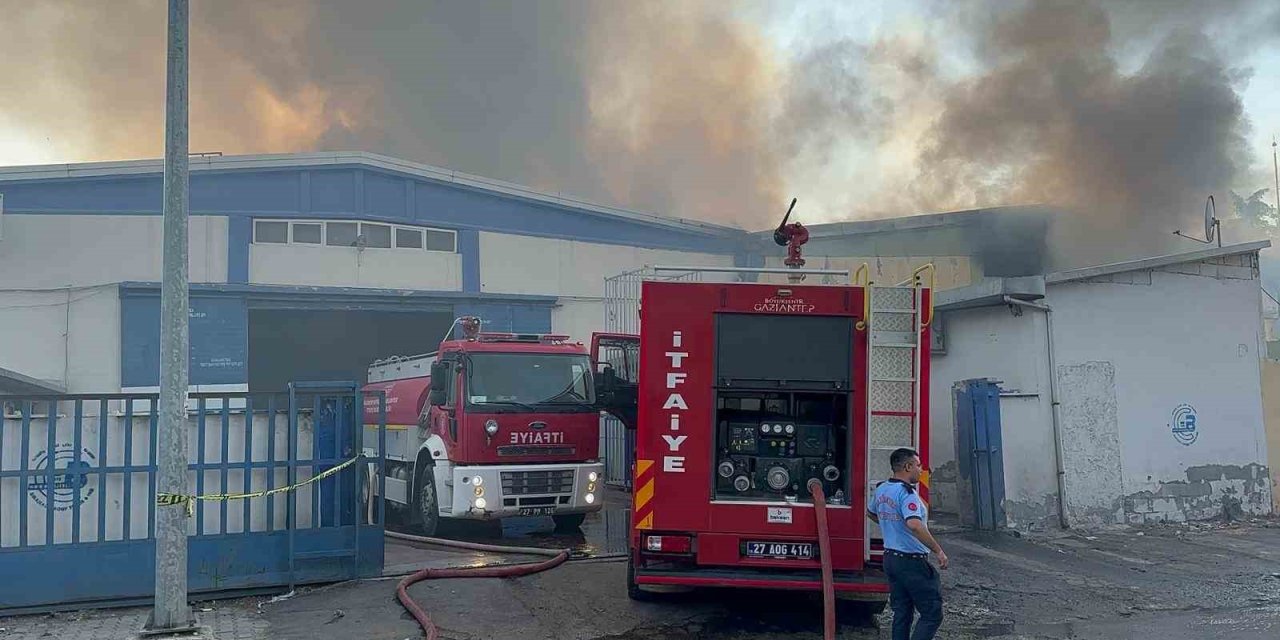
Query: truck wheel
426	509
569	522
634	591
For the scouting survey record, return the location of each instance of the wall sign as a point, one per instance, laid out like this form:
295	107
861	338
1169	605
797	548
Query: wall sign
219	341
1184	426
70	478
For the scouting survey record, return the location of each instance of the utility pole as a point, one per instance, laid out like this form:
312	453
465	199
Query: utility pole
1276	168
171	612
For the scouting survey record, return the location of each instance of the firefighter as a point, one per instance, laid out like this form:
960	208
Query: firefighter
914	584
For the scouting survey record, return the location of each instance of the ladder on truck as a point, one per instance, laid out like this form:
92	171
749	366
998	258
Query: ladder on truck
895	319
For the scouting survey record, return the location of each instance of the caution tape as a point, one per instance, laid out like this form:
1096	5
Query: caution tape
172	499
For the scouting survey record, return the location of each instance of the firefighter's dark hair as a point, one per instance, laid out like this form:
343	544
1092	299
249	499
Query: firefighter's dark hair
900	457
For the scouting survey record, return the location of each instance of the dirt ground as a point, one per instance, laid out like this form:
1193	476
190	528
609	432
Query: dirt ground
1167	583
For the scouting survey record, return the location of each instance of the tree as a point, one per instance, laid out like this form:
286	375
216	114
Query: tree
1256	210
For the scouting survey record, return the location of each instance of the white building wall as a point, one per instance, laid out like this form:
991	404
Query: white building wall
573	271
50	251
1174	339
325	266
59	303
994	343
77	346
1129	350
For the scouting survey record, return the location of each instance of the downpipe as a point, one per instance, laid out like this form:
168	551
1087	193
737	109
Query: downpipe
824	552
1053	404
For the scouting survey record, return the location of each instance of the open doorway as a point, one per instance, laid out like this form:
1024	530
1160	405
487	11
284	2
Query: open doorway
288	345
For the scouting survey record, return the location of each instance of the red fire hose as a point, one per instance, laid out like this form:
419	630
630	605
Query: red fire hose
557	557
824	554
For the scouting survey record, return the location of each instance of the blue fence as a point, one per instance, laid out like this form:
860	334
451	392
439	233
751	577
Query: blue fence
77	495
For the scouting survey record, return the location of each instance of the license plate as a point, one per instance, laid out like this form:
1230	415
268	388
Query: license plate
782	550
537	511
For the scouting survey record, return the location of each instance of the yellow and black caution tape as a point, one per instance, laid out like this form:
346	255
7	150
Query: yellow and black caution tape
171	499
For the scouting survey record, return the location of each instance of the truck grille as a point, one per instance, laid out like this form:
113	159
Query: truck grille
520	483
536	450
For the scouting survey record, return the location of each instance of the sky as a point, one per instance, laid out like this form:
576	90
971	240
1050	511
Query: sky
1127	112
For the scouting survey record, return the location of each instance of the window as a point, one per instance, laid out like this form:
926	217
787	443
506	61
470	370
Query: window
510	380
270	232
376	235
408	238
308	232
341	234
345	233
438	240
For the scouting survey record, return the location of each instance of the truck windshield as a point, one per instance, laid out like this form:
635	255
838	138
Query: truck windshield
524	380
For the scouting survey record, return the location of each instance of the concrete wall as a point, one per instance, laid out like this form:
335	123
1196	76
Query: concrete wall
76	345
574	271
326	266
48	251
993	343
1271	414
1173	339
1135	353
71	336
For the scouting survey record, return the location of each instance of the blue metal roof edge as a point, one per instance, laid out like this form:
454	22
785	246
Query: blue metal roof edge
136	288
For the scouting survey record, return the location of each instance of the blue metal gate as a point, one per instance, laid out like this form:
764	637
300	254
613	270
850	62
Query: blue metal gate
77	494
980	454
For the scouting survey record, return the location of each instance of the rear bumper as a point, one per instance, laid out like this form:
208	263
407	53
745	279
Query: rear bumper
871	582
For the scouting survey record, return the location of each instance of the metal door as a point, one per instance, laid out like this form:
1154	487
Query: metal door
78	505
979	451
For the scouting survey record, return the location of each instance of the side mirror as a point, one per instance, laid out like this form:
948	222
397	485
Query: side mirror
606	380
439	392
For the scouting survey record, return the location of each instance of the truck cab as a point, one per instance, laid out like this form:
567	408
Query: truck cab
491	425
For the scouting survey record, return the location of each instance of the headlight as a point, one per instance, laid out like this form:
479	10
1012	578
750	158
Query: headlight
480	503
591	498
593	476
477	481
479	491
491	427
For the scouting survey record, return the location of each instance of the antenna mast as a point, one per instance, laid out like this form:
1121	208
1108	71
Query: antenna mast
1276	168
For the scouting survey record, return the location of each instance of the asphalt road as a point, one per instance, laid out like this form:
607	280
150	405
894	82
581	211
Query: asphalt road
1166	584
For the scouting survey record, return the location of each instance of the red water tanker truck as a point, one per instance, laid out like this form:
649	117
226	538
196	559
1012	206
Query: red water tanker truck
489	426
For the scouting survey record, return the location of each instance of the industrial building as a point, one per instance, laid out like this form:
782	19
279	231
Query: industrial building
309	266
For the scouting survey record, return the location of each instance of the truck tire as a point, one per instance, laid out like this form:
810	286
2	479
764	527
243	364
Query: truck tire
634	591
569	521
366	515
426	506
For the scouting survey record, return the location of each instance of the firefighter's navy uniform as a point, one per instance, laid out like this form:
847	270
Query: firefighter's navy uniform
914	584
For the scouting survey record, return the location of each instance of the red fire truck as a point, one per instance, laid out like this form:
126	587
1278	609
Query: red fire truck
745	392
491	425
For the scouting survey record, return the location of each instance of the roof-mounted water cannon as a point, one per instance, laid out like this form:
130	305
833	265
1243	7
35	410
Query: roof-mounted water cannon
470	327
792	236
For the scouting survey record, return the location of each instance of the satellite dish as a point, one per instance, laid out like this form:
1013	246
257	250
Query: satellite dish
1212	225
1210	219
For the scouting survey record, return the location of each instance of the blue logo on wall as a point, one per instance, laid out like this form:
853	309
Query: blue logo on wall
1184	426
70	477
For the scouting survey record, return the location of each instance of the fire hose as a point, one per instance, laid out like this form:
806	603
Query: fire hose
824	554
555	557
